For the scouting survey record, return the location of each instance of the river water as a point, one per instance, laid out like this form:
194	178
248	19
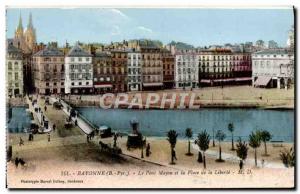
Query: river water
157	122
19	120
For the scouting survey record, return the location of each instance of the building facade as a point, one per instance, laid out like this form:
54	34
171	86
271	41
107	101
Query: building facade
14	72
222	66
186	70
291	39
134	69
168	61
273	68
119	70
78	71
152	68
49	71
102	72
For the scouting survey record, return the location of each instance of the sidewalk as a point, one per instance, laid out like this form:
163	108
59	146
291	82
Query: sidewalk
38	117
234	158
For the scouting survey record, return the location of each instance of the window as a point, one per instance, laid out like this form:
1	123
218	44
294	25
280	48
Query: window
87	59
47	84
16	65
87	83
79	59
79	83
16	76
62	83
72	59
9	66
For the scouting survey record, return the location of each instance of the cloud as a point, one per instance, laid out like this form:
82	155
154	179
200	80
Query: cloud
144	29
119	13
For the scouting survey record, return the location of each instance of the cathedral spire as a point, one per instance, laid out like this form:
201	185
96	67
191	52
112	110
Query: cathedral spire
19	30
30	25
20	26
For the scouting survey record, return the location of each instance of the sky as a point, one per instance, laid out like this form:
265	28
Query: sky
199	27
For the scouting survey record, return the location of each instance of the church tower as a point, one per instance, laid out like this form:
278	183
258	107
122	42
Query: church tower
30	36
19	30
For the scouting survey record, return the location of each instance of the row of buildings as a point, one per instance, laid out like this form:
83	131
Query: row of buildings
123	67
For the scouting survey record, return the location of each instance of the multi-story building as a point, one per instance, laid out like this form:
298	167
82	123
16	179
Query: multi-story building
78	71
152	68
168	61
242	67
119	70
14	71
222	66
186	70
273	68
103	78
49	71
134	70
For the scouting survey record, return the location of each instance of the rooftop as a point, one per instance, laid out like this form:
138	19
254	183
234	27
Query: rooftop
77	51
273	52
49	51
13	49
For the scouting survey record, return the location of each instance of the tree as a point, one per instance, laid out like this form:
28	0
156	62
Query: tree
241	151
220	136
265	136
172	138
254	142
189	135
288	157
231	129
203	144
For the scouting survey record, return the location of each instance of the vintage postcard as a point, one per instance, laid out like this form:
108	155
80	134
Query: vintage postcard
150	98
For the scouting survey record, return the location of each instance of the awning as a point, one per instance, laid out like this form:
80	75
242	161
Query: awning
103	86
243	79
153	84
205	81
262	81
224	80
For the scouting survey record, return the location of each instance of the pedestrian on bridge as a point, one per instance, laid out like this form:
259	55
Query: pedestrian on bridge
21	142
48	137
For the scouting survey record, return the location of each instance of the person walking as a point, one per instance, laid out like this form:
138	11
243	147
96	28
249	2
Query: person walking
54	126
115	140
17	162
48	137
21	142
148	152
